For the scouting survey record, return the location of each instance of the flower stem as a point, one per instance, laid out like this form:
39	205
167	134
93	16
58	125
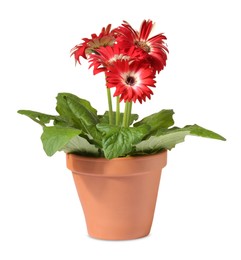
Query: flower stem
110	106
127	114
117	118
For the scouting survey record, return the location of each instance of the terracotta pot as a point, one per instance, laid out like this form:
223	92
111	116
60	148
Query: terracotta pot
118	196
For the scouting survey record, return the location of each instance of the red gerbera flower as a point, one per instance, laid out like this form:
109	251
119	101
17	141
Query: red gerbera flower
105	38
105	56
154	47
131	79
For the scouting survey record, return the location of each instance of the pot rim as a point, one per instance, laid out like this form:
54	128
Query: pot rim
102	167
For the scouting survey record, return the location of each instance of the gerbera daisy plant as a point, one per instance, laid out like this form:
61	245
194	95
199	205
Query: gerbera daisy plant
129	60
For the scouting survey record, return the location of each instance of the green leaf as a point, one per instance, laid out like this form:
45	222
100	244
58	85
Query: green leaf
120	141
162	119
168	138
105	118
65	112
87	119
202	132
54	138
79	145
62	96
63	100
79	114
38	117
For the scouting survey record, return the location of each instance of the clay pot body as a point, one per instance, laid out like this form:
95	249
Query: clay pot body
118	196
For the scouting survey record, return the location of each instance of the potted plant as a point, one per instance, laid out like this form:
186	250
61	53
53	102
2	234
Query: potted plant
116	159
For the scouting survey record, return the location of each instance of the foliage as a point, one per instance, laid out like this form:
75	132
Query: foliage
78	129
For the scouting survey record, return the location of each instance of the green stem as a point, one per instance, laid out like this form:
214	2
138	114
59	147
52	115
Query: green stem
127	114
110	106
117	119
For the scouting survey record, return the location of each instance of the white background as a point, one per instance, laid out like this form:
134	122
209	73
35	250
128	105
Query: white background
198	208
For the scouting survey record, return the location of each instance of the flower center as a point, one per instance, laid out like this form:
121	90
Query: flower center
118	57
130	80
143	46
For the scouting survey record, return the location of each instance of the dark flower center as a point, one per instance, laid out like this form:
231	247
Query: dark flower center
130	80
143	46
